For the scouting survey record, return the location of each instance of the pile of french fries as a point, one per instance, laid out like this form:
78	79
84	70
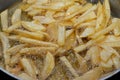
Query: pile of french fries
56	27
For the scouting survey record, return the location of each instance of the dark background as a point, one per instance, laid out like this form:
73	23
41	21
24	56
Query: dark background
3	76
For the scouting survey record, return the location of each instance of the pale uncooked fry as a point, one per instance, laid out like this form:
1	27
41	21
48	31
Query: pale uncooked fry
110	49
105	55
28	34
112	44
33	41
4	20
36	50
61	35
86	24
82	62
108	64
107	11
68	33
31	26
13	50
84	46
16	16
34	12
93	74
25	76
6	46
87	32
44	20
72	9
49	64
81	10
85	17
106	30
15	59
117	29
95	57
27	66
69	66
14	26
116	61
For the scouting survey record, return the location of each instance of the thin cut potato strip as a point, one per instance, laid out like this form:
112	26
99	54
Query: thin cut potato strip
36	50
61	35
69	66
33	41
4	20
30	34
25	76
93	74
31	26
116	61
5	45
13	50
16	16
49	64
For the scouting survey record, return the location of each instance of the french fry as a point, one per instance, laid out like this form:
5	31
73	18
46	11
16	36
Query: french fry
25	76
16	17
28	34
81	10
27	66
61	35
36	50
108	64
93	74
105	55
85	17
13	50
4	20
49	64
84	46
32	26
68	33
33	41
15	59
6	46
116	61
106	30
87	32
82	62
69	66
13	27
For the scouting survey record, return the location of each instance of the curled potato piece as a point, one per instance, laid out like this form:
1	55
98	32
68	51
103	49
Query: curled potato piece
49	64
93	74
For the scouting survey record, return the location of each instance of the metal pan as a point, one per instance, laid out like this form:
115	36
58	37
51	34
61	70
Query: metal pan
106	76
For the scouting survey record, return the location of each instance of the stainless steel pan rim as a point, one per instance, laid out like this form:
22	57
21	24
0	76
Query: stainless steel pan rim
103	78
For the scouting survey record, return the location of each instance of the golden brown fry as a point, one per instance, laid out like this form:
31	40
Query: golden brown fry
4	20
